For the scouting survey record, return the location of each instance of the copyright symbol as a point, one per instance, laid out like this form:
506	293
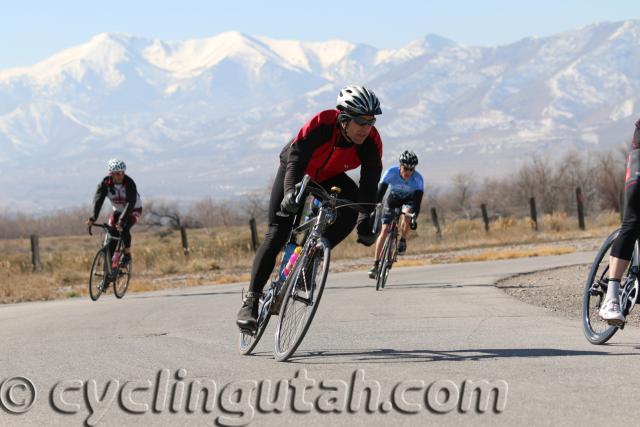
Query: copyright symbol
17	395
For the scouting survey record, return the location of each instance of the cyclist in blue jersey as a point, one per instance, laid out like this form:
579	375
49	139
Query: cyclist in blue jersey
406	188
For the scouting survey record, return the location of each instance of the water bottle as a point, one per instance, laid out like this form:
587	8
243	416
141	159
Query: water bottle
288	250
114	261
314	207
292	261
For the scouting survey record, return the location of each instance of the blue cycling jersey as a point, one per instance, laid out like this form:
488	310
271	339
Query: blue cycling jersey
400	188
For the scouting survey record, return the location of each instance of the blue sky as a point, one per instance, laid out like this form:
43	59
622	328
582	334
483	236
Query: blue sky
32	30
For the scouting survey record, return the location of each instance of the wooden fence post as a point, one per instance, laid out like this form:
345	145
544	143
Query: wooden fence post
436	224
580	201
254	234
534	213
35	253
185	243
485	217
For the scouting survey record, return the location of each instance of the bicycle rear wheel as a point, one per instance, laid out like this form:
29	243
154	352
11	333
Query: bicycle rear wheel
386	261
596	330
122	279
302	299
98	275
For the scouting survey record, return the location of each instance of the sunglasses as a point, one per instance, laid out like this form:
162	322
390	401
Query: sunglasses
363	122
408	169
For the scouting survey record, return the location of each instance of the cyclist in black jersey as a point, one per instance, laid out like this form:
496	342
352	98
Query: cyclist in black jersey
622	248
122	192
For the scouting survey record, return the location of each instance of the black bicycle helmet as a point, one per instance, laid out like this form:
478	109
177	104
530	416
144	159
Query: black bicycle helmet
408	159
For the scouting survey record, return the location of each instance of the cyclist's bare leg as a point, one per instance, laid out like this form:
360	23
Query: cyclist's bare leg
617	267
380	242
404	226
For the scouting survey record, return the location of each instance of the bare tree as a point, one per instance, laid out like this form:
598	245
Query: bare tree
256	205
162	215
610	178
463	190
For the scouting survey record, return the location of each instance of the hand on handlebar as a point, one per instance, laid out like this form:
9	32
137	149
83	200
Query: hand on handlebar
414	223
90	223
290	203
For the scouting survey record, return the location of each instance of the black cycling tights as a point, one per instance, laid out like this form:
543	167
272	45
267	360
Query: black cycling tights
623	245
125	234
279	227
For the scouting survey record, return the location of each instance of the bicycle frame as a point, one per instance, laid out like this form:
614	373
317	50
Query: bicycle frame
106	243
312	230
394	227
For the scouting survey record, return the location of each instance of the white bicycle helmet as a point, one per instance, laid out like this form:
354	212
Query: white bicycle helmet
116	165
354	100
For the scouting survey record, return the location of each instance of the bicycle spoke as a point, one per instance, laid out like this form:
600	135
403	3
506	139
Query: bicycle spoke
301	302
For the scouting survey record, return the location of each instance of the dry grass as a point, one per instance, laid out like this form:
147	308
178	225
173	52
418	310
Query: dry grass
223	255
515	253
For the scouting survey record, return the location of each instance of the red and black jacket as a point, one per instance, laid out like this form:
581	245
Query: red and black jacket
633	159
321	151
106	189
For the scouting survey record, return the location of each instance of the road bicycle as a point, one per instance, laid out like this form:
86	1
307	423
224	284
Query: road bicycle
295	298
596	330
108	265
389	252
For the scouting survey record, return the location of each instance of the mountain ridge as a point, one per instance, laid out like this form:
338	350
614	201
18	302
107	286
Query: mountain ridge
235	99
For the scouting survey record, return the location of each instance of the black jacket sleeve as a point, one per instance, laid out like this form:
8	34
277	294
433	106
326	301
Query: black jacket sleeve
132	197
300	150
417	201
382	188
635	142
98	198
370	171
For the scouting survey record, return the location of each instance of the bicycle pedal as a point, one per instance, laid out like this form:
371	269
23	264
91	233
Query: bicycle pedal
616	323
248	332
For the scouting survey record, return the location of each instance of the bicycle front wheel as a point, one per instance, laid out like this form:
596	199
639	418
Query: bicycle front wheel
248	341
386	261
302	299
122	279
596	330
98	275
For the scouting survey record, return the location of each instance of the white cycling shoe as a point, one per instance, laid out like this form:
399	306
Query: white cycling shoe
610	311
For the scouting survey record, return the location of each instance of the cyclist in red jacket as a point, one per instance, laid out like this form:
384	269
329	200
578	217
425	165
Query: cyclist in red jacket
331	143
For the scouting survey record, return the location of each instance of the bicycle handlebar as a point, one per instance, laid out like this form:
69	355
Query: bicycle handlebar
103	225
303	187
318	191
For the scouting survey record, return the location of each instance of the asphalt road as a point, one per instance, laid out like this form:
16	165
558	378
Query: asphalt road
404	356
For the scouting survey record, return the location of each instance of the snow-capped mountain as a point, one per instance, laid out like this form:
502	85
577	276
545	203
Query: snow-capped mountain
207	117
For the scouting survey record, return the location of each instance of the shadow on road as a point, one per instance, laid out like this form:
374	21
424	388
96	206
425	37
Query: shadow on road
389	355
